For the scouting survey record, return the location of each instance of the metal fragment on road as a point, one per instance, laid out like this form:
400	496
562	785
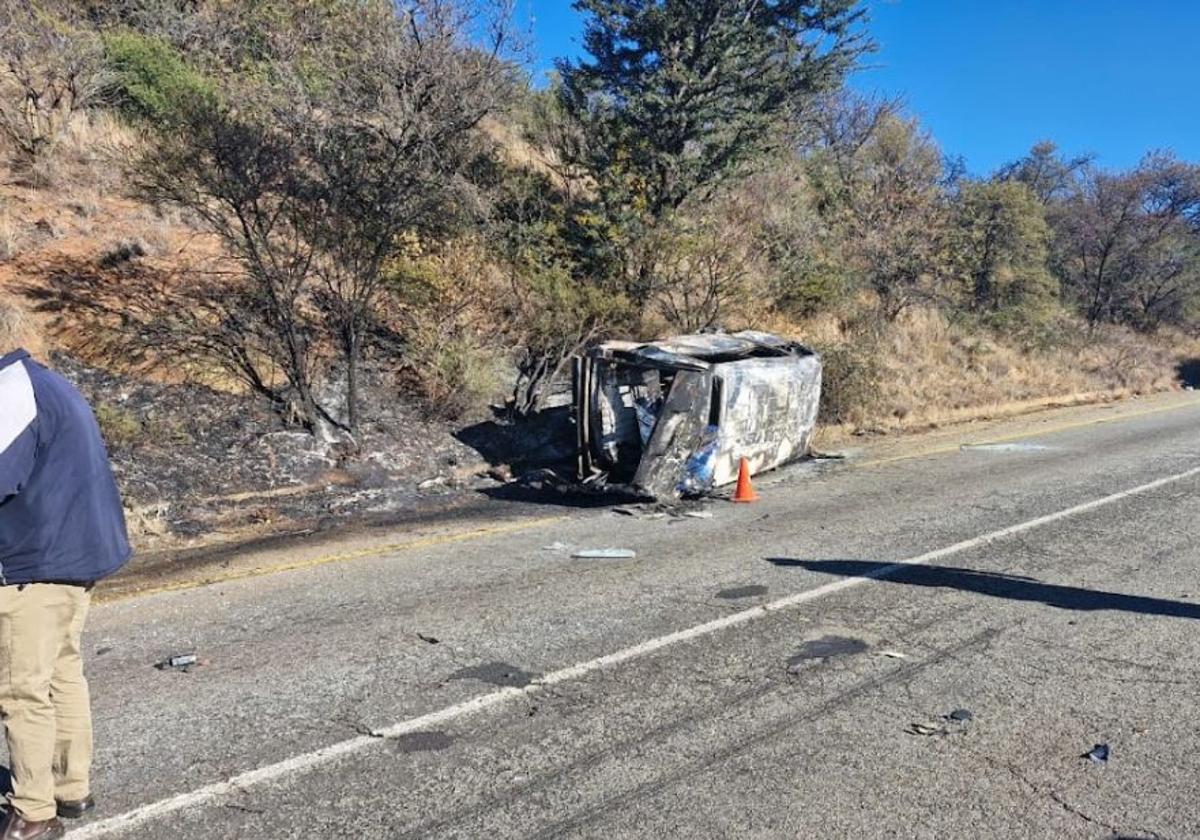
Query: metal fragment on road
960	716
893	654
1097	754
180	662
605	554
428	639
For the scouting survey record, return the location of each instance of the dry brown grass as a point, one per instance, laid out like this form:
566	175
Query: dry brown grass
11	236
932	372
61	235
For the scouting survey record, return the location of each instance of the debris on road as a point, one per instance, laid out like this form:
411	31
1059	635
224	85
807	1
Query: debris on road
605	554
181	662
428	639
925	729
674	417
658	510
958	716
1098	754
893	654
556	546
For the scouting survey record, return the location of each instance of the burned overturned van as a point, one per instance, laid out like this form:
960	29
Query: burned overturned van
675	417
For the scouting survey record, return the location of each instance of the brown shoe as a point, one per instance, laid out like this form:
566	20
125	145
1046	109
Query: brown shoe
73	809
16	827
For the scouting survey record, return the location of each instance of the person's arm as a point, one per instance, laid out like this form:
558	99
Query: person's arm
18	431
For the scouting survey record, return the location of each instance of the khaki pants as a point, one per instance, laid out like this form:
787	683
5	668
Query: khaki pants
44	699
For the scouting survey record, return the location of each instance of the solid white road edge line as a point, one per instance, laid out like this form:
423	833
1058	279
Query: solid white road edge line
308	761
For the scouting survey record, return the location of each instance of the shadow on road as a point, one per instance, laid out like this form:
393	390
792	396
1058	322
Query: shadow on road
997	585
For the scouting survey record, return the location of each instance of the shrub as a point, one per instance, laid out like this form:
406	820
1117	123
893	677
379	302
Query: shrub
151	80
119	426
50	71
455	377
850	383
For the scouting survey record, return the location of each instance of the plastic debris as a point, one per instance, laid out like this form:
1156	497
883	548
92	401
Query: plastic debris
432	640
893	654
699	514
699	471
1098	754
960	715
605	554
180	662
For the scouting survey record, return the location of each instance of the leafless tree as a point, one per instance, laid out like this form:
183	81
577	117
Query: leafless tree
50	69
1127	244
878	177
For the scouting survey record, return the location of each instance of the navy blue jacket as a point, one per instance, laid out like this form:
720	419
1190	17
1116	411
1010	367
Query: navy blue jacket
61	519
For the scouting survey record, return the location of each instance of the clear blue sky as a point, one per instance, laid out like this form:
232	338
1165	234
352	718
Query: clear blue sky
1110	77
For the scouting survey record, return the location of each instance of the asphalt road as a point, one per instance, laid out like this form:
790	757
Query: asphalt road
766	673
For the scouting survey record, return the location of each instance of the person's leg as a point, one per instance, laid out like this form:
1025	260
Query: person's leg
72	707
32	620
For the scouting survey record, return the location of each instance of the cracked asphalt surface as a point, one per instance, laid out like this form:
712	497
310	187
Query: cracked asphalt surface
828	719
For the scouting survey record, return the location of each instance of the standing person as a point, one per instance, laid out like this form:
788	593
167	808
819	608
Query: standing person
62	528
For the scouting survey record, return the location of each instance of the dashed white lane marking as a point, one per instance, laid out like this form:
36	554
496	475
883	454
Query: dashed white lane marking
308	761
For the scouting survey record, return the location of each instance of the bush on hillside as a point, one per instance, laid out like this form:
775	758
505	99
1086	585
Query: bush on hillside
850	392
150	79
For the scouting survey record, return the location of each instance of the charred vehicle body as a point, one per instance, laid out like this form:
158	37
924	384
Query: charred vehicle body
675	417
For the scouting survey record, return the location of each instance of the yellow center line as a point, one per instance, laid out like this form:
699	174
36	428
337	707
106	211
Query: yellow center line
229	575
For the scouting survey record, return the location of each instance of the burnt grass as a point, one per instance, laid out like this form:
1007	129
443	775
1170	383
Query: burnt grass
195	463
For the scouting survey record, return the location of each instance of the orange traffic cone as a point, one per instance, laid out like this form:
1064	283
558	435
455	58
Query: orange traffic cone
745	490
